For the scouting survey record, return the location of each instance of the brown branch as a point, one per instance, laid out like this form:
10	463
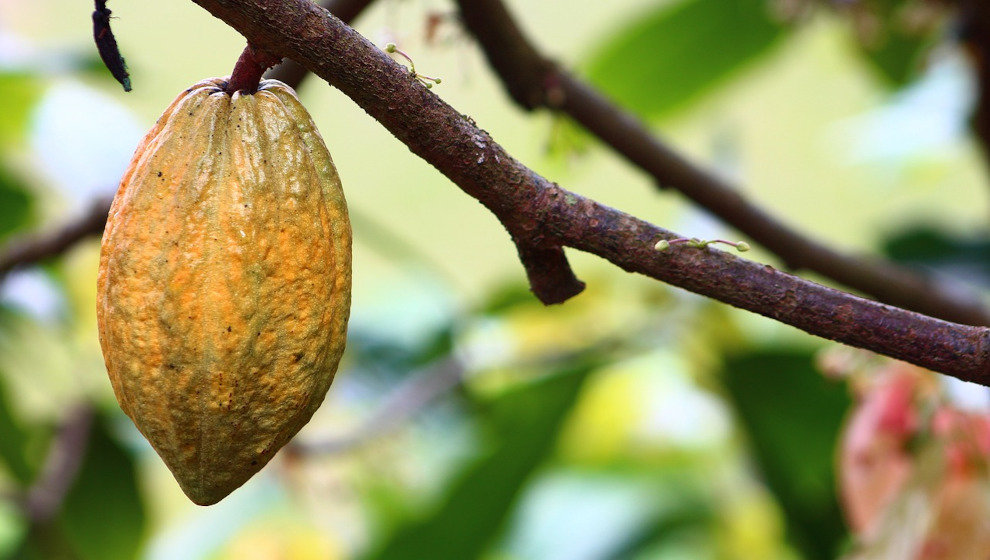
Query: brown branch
249	69
550	276
35	248
290	71
974	31
533	81
550	216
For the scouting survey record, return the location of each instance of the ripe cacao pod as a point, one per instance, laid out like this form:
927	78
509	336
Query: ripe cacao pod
224	282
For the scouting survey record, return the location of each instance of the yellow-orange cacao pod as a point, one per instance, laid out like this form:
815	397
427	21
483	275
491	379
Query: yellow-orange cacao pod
224	282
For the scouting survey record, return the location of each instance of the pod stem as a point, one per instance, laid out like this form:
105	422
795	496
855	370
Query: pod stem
250	66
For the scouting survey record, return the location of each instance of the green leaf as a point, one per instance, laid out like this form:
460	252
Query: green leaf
895	46
106	483
14	442
102	516
669	56
19	91
396	358
524	423
962	257
692	513
896	57
15	204
507	297
792	416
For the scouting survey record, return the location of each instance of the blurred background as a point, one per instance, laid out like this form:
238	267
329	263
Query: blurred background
467	420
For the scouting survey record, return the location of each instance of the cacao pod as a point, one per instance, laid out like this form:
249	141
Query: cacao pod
224	282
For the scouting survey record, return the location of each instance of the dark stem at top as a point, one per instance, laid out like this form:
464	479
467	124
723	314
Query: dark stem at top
249	69
106	44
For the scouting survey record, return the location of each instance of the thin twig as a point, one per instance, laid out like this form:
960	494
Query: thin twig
534	81
441	378
549	216
65	456
404	403
36	248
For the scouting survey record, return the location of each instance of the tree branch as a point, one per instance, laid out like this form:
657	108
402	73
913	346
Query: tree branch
533	82
290	71
36	248
549	216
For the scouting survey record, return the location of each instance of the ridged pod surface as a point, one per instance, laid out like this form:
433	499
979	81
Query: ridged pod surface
224	282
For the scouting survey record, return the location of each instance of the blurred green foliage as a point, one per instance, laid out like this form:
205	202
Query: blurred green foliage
792	416
964	257
15	438
520	427
108	477
893	47
15	204
669	56
102	515
898	56
20	91
787	416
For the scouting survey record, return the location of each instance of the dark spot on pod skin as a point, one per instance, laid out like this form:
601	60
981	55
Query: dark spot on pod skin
159	173
228	328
